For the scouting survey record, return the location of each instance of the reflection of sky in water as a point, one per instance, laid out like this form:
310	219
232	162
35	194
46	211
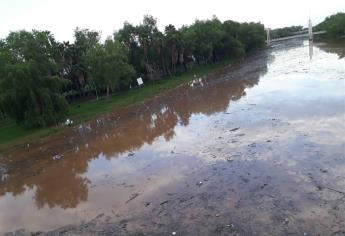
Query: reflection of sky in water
296	110
310	100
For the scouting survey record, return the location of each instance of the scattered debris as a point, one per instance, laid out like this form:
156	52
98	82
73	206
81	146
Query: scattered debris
263	186
165	202
334	190
57	157
234	129
84	128
252	145
4	177
3	174
69	122
132	197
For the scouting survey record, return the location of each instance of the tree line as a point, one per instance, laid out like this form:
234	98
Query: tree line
286	31
334	26
40	76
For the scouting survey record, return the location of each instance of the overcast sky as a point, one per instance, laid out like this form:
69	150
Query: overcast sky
62	16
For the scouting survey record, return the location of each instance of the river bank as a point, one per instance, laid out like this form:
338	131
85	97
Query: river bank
12	134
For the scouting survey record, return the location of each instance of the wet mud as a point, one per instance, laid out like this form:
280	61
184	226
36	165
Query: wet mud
253	149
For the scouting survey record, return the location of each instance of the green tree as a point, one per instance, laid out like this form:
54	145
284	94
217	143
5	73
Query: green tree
37	73
252	35
204	38
30	87
128	36
109	67
334	25
72	61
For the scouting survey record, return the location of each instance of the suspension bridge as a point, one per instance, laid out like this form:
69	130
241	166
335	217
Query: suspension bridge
301	34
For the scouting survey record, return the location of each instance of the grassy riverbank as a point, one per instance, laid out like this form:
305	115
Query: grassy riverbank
12	134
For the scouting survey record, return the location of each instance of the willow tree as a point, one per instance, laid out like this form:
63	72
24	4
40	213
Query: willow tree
30	87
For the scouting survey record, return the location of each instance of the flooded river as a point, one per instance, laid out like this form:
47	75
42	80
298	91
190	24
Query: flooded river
255	149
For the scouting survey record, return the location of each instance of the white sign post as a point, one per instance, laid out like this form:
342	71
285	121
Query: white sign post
140	81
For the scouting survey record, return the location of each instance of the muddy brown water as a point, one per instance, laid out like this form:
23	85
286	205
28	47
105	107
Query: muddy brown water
253	150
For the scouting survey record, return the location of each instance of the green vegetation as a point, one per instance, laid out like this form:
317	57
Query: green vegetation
85	110
334	26
29	87
43	81
285	32
11	133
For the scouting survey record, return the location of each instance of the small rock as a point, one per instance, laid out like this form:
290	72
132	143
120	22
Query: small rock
217	215
199	183
173	233
131	154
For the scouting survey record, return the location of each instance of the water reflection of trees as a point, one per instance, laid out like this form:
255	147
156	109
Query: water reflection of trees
335	47
60	182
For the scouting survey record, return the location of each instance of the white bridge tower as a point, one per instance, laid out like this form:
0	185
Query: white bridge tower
268	39
310	30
